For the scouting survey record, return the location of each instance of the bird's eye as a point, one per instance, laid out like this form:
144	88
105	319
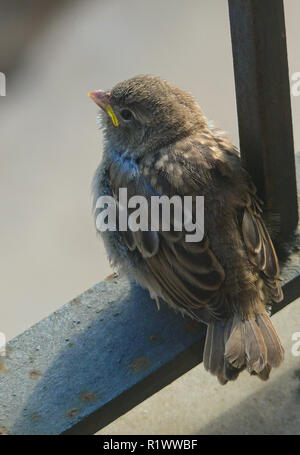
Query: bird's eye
126	114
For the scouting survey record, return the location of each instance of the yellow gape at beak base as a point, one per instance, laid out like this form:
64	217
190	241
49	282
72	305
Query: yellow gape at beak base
112	115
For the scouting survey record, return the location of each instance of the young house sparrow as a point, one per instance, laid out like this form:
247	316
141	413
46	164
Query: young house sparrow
158	142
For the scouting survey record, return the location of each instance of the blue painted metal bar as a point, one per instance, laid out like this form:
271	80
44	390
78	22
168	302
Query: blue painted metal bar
93	356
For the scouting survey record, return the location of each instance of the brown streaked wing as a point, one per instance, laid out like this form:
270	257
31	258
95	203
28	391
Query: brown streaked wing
260	249
186	275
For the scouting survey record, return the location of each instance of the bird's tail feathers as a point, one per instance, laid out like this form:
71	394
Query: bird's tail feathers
239	344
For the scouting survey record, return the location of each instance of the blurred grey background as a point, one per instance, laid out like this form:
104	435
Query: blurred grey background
53	53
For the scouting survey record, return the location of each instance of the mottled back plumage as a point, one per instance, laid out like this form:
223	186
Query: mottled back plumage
166	147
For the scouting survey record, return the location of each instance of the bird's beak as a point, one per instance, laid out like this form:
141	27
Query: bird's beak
101	98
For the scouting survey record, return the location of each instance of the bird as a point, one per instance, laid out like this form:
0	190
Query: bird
158	142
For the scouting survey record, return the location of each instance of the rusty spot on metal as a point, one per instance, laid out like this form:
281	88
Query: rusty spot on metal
154	338
111	277
90	291
88	397
139	364
2	367
35	417
3	430
71	345
75	301
71	413
34	374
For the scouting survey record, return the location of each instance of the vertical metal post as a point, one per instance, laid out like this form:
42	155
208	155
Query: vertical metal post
263	105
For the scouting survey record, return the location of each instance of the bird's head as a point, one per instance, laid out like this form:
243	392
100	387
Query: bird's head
146	112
